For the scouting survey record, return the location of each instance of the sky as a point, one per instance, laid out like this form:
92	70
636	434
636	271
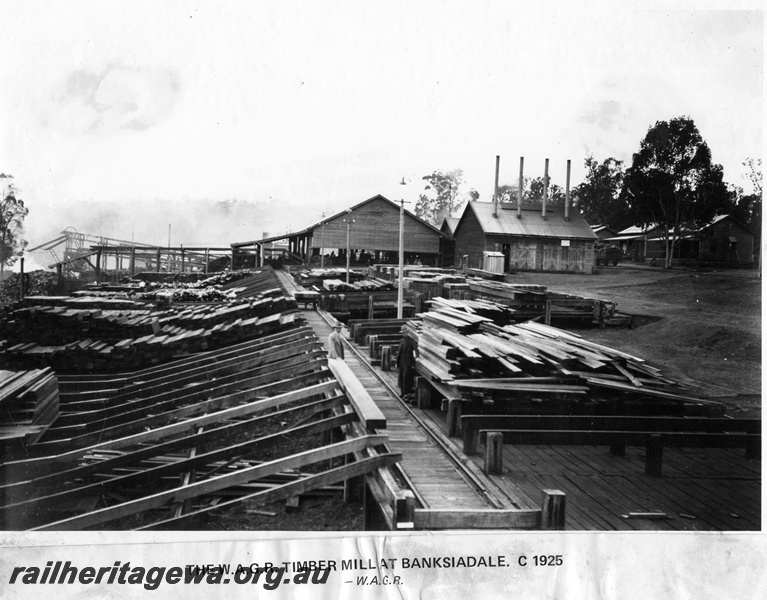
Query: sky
208	123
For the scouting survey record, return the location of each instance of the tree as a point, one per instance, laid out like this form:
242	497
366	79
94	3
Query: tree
510	193
555	194
532	192
672	183
12	215
749	207
442	196
755	174
599	196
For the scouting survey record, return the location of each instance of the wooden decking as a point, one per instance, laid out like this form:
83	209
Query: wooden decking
701	489
434	480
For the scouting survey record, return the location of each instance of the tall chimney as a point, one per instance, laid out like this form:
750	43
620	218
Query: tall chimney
567	193
545	188
495	189
521	184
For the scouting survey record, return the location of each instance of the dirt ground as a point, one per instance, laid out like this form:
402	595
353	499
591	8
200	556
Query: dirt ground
708	332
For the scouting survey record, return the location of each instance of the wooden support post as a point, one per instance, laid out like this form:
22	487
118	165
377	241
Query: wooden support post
367	508
353	487
386	358
158	260
454	410
59	274
207	259
422	392
293	504
182	259
371	307
618	449
547	316
98	266
494	453
553	510
654	455
470	440
372	339
21	278
133	261
405	510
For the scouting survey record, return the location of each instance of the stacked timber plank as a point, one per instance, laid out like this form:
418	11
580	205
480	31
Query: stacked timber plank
530	367
87	339
29	404
132	353
61	324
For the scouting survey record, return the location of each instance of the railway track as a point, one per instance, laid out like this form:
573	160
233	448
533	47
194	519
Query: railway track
468	471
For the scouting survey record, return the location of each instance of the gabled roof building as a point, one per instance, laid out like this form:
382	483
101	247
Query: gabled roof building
724	240
533	237
371	225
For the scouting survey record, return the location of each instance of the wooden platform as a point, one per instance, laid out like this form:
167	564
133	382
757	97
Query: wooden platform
433	479
701	489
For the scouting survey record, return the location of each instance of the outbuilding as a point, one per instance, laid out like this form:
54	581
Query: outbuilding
532	237
725	240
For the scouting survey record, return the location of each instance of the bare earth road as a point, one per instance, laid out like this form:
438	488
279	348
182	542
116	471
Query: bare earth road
709	329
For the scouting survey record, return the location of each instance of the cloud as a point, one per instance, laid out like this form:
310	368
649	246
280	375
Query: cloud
117	98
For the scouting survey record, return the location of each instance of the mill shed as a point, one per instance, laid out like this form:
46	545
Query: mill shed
531	237
368	230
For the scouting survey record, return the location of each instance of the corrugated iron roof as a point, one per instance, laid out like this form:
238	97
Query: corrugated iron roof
531	224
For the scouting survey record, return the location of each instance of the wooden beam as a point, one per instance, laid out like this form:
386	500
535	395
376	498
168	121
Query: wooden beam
120	426
199	488
140	478
301	486
177	428
13	491
369	414
430	518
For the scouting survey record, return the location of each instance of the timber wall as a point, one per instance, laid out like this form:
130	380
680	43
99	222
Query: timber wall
522	253
376	227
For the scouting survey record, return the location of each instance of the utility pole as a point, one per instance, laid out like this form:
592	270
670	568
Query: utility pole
348	222
322	244
401	282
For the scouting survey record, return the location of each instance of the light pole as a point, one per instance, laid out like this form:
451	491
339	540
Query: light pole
401	283
348	220
322	243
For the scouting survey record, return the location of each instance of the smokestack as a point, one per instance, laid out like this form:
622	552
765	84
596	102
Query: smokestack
495	189
521	184
567	193
545	188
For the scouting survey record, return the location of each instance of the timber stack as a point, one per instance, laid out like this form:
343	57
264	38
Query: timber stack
78	334
526	368
30	404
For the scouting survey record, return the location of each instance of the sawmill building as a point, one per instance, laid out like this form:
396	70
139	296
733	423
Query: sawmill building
531	237
370	231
